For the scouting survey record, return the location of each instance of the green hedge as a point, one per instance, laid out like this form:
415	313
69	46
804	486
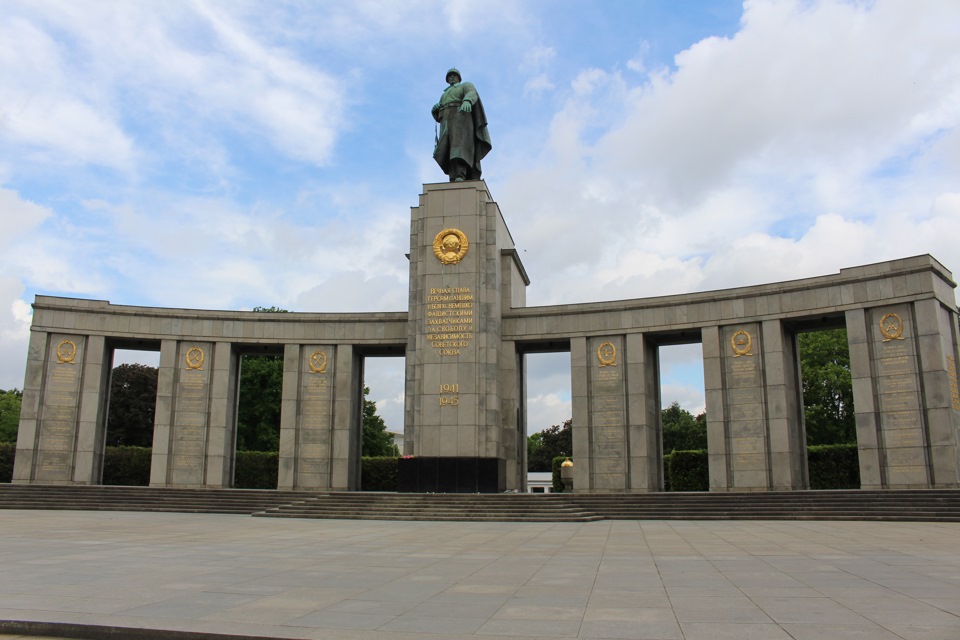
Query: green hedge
688	471
126	466
7	450
256	470
555	467
833	466
378	473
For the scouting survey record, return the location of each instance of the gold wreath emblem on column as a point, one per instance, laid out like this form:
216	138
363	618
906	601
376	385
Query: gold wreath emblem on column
318	362
450	245
194	358
891	327
66	352
742	343
607	354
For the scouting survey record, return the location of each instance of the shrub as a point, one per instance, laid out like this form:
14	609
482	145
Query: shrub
555	467
833	466
378	473
256	470
7	451
666	470
688	471
127	466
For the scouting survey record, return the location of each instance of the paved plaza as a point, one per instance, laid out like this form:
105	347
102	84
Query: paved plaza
359	580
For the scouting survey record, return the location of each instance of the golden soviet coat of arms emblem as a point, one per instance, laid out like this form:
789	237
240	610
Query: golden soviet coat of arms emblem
742	344
194	358
66	352
607	354
450	245
318	362
891	327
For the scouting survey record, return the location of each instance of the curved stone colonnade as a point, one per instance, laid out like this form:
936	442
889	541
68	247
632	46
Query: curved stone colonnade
63	416
464	343
901	323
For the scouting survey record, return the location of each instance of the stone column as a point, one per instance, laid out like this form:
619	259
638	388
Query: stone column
28	433
453	415
717	424
643	411
903	362
91	427
745	408
788	447
347	421
222	428
160	458
937	339
901	424
187	437
306	417
607	397
61	434
866	411
580	409
514	436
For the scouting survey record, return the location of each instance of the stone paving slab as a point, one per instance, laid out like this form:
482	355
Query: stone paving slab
184	574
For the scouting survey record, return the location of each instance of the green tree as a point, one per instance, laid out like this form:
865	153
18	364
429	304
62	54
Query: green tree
534	442
377	441
681	430
9	414
554	441
827	389
133	401
258	413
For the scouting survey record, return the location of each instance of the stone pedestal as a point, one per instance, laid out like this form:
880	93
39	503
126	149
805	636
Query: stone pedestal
461	259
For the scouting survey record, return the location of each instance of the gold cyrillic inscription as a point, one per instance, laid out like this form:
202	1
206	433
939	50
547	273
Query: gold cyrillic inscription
954	389
449	319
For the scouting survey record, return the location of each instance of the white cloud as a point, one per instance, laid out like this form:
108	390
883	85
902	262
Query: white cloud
807	142
15	318
537	85
76	67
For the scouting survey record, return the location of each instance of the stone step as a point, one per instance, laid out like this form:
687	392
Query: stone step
917	505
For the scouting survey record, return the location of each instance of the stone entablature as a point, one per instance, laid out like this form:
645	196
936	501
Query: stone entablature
464	344
904	280
152	324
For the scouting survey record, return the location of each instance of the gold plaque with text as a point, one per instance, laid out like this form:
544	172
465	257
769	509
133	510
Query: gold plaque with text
450	245
742	344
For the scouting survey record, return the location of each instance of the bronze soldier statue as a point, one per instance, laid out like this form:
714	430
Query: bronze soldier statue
463	139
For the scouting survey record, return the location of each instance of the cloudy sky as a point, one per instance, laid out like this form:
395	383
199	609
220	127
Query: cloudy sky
226	155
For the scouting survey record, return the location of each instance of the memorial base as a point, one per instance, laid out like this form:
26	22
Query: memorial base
451	475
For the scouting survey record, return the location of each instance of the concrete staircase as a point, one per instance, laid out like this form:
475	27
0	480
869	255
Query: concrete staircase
103	498
927	505
508	507
918	505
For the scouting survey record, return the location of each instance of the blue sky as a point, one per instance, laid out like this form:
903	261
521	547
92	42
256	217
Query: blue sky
230	154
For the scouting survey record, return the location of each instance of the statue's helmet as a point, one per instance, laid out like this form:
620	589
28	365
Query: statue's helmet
454	71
